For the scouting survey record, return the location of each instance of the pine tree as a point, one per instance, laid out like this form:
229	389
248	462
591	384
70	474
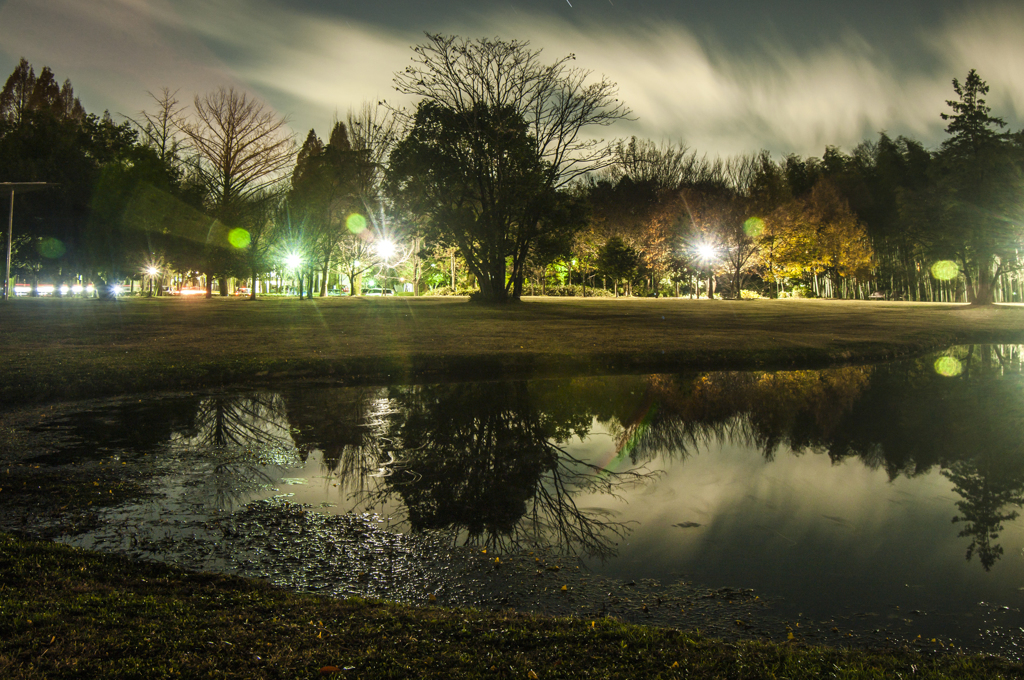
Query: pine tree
970	125
14	98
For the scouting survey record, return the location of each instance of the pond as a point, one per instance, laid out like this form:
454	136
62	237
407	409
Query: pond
851	505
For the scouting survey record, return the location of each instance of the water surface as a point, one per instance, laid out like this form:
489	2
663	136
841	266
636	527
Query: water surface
864	498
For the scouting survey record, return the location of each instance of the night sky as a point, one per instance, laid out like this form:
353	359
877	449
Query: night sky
724	77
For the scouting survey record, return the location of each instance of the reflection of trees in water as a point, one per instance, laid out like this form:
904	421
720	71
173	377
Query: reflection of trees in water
987	494
350	427
905	418
987	402
256	420
487	459
762	410
238	436
483	459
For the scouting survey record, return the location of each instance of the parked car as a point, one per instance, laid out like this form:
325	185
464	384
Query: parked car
378	291
241	290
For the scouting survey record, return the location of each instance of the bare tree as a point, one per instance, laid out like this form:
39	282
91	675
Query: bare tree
373	132
158	129
242	148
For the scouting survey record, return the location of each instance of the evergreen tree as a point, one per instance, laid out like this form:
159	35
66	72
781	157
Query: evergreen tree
971	210
14	98
970	125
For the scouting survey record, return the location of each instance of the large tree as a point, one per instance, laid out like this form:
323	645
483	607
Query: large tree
973	206
475	177
241	150
498	98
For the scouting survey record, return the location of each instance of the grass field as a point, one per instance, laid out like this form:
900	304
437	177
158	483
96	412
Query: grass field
74	614
65	349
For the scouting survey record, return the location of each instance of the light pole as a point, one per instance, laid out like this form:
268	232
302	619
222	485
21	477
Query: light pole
707	252
294	262
16	188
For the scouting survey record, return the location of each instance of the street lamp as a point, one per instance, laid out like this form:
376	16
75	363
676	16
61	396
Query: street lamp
16	188
706	252
386	249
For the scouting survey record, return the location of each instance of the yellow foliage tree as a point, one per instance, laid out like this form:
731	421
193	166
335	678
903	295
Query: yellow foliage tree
817	234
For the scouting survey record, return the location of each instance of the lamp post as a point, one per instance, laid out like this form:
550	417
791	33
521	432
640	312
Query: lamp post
293	261
706	252
16	188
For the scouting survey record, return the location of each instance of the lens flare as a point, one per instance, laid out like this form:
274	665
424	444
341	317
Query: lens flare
948	367
753	227
386	249
356	223
239	238
51	248
945	270
293	261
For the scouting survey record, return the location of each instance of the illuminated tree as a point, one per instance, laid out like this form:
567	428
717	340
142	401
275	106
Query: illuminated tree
816	235
497	98
241	149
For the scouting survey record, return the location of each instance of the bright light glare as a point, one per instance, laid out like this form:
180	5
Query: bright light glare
77	289
152	271
45	288
949	367
386	249
117	289
706	251
293	261
64	290
90	289
945	270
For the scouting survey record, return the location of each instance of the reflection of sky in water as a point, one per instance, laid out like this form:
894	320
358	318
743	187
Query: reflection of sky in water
823	534
726	501
832	538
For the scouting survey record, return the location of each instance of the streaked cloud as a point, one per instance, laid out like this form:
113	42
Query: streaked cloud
680	84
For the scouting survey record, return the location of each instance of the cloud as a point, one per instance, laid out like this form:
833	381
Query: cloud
771	96
681	85
989	40
316	68
112	50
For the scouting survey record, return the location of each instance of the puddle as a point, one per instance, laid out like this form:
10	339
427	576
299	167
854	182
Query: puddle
739	503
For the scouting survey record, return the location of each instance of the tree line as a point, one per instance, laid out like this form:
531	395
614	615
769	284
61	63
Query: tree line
496	182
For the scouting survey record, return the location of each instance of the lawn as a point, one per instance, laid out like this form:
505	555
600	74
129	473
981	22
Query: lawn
73	614
64	349
68	613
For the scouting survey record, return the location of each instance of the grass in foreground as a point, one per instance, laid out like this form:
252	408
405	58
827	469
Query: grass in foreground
71	349
67	613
